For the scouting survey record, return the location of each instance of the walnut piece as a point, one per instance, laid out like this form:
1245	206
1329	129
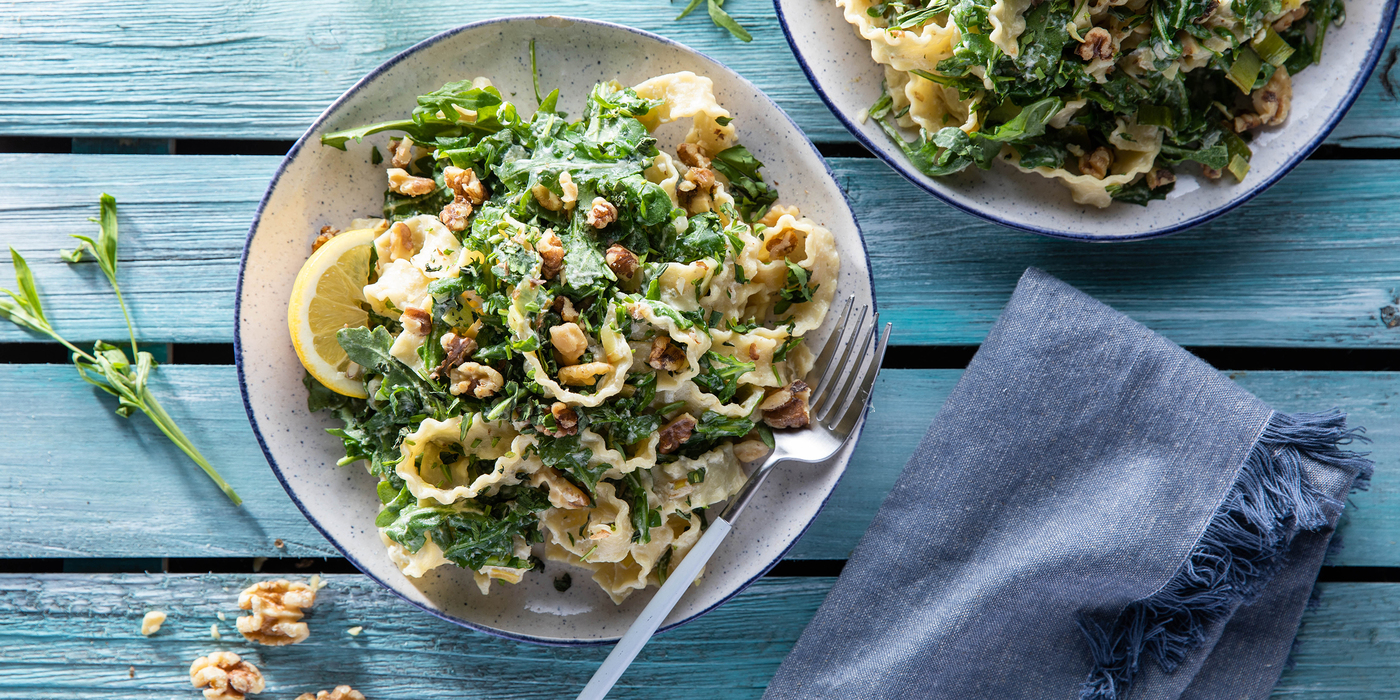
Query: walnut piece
1098	44
327	233
601	213
566	183
150	624
565	418
1211	173
416	321
458	349
1283	23
621	261
1273	101
692	155
1158	177
564	306
666	355
780	243
408	185
551	251
675	433
228	676
562	492
694	190
403	152
1097	163
787	407
1245	121
750	450
465	183
341	692
475	379
277	610
569	340
583	375
454	216
400	241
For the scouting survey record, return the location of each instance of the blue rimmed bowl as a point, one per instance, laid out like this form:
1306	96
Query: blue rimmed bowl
317	186
837	61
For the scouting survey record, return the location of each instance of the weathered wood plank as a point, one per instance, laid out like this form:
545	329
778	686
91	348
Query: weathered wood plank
1308	263
74	637
255	71
65	440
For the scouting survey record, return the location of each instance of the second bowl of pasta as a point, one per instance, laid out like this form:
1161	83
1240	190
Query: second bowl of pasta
1089	119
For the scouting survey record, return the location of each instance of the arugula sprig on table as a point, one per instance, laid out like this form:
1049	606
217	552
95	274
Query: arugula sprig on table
107	367
719	17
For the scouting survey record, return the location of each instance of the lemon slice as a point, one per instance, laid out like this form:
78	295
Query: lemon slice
326	297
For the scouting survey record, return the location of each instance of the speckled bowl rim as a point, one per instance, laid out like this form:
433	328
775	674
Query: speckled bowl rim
310	135
905	169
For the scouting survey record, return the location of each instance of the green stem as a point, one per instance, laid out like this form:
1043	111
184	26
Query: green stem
153	410
130	330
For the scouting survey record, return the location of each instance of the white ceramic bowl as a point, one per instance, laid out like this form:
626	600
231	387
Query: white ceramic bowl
838	63
318	186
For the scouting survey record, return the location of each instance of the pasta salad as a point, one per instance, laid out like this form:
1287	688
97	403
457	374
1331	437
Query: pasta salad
1109	97
575	337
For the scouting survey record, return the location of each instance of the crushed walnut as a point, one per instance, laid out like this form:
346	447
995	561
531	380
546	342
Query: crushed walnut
780	243
551	250
565	418
150	624
409	185
457	349
621	261
1274	100
787	407
465	183
583	375
563	494
227	676
1211	173
675	433
601	213
750	450
455	215
1097	163
416	321
277	608
1098	44
666	355
341	692
568	339
1282	24
327	233
475	379
402	152
564	306
694	190
1158	177
692	155
400	241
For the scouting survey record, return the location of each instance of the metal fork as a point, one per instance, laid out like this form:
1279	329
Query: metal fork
840	394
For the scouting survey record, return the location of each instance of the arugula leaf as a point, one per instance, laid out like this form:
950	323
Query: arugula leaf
752	194
1138	192
704	238
719	374
569	455
796	291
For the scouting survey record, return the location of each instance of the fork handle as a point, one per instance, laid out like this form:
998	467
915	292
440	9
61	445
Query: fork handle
655	612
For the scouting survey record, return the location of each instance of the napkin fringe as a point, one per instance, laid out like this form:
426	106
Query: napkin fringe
1242	548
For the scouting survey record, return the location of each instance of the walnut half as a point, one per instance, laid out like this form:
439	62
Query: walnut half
277	611
675	433
228	676
341	692
787	407
666	355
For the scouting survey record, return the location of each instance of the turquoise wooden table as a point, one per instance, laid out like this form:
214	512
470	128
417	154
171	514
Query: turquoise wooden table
181	111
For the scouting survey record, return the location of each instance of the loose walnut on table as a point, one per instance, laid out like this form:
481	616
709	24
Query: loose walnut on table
341	692
277	608
228	676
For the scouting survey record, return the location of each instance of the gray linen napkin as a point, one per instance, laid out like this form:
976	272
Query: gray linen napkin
1090	497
